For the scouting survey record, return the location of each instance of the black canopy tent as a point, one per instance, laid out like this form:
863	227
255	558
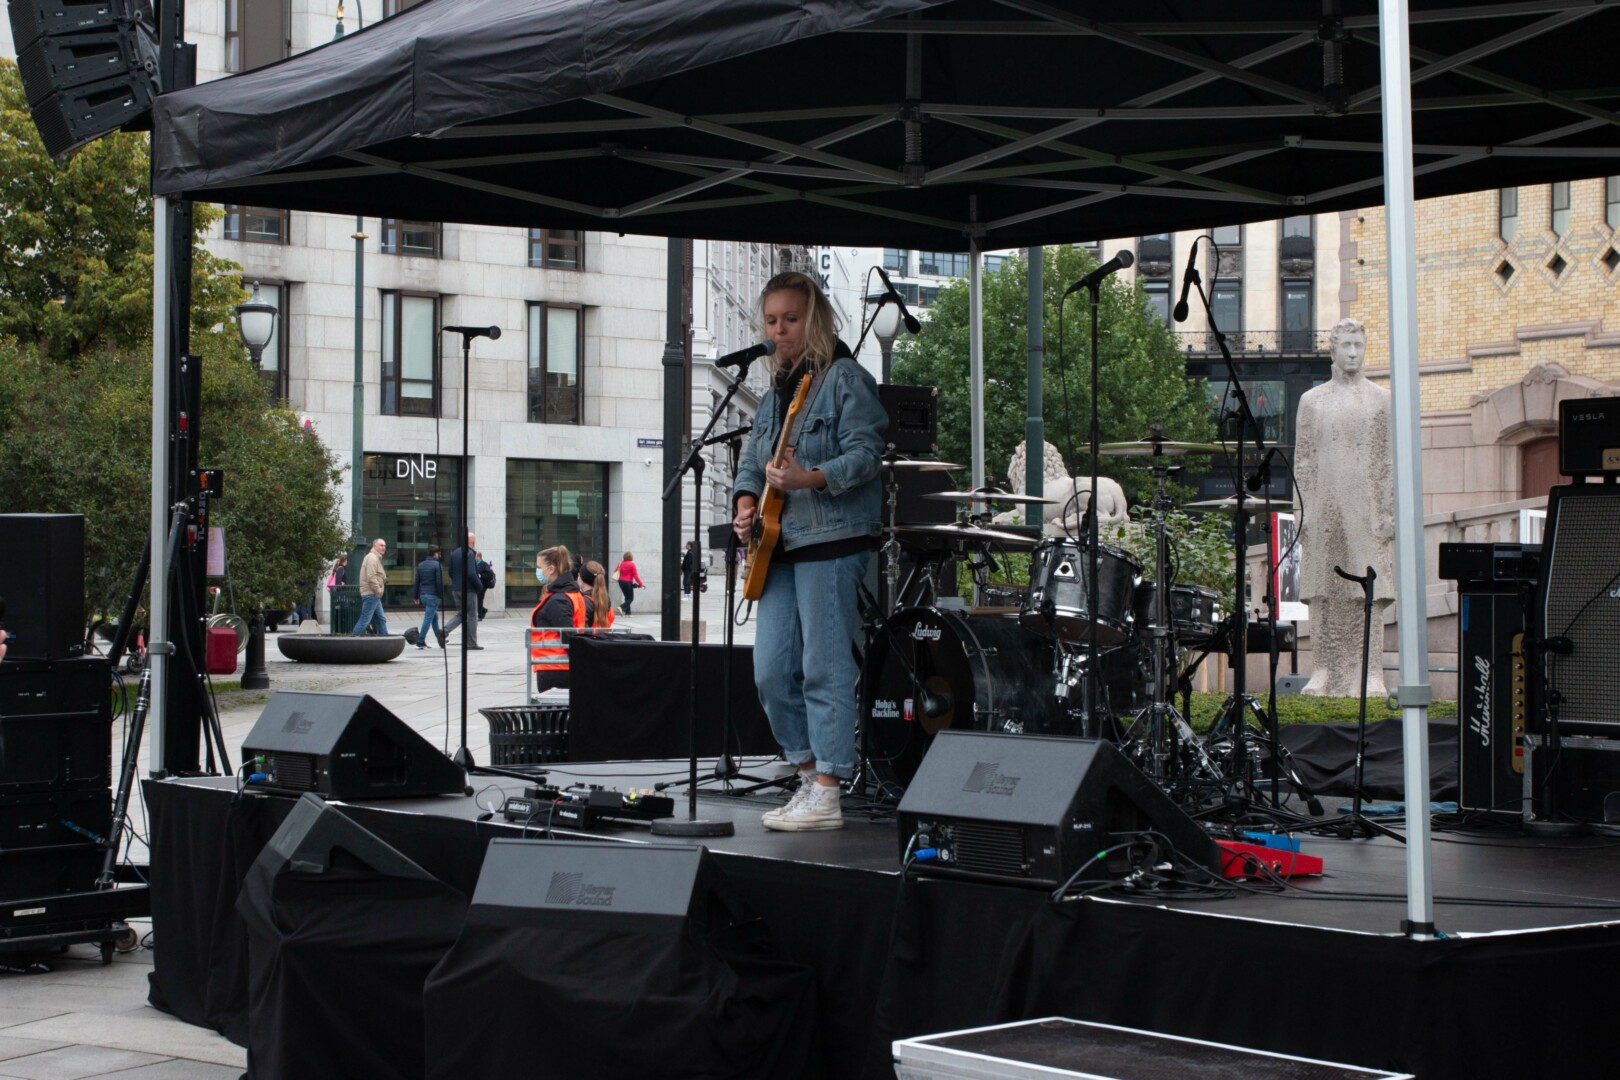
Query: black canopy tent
937	124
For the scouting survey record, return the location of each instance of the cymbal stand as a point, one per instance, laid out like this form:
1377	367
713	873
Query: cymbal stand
891	543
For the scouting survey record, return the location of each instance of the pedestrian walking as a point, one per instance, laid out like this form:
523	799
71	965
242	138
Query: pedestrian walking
629	579
689	565
373	579
426	591
464	587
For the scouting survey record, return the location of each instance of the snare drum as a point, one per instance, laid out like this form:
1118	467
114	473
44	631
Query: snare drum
1055	603
1195	611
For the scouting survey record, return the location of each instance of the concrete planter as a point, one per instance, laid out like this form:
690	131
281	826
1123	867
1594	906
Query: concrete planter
340	648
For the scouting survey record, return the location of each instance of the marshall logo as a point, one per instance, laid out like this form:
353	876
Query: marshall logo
297	724
885	709
571	889
1481	725
925	633
987	779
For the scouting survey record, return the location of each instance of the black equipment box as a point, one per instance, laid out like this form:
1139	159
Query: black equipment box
1492	688
55	725
913	418
1589	437
586	808
42	582
344	746
1034	809
1491	564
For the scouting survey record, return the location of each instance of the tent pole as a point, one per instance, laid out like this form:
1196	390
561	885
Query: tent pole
976	361
156	650
1414	693
1035	424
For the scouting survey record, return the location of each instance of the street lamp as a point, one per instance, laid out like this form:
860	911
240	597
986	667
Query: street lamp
885	326
256	320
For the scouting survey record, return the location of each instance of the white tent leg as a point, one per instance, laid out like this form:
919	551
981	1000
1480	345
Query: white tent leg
156	644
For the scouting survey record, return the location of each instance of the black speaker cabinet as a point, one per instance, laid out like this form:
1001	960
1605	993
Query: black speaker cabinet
1589	436
32	18
1492	701
42	582
1579	602
345	746
45	841
316	838
1033	809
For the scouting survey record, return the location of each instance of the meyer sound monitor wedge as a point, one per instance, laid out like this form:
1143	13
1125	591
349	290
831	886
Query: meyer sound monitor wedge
345	746
1034	809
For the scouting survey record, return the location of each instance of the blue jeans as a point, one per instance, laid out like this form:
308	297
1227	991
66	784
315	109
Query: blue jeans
804	665
370	611
430	617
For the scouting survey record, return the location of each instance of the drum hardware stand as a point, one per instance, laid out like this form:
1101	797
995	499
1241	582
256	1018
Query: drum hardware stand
891	542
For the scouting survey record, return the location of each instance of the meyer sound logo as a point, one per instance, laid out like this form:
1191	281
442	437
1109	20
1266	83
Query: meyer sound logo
571	889
988	779
297	724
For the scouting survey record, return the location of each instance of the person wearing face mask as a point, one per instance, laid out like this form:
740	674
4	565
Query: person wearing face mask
808	621
563	605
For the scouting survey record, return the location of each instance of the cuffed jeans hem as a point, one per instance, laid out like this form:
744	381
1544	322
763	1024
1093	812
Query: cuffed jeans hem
842	772
798	758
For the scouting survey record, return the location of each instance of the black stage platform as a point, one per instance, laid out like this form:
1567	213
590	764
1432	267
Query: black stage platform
1532	935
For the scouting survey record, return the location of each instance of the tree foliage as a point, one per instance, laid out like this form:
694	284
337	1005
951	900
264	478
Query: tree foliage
1141	375
76	375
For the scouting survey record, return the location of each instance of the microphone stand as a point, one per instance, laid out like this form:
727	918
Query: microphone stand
693	825
469	560
1090	721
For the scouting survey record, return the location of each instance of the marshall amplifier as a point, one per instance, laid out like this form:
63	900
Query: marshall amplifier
1491	701
1589	436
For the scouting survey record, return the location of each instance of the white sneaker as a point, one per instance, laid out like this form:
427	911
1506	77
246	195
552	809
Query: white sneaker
817	810
807	780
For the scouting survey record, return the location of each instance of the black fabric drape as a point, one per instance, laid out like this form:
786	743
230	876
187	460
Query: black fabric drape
1325	756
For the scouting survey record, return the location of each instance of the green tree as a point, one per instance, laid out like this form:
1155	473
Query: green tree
1141	374
76	375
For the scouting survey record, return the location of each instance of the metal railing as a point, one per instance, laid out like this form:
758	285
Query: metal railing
1256	342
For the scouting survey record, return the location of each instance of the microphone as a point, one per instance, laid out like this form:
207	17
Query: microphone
744	357
1262	474
1187	281
491	332
1120	261
912	325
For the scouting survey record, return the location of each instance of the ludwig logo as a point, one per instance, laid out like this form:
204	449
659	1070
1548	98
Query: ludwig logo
925	633
988	779
571	889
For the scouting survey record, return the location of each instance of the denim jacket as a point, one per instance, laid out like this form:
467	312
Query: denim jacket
842	435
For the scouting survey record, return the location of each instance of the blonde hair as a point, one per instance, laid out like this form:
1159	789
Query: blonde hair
821	323
559	557
599	594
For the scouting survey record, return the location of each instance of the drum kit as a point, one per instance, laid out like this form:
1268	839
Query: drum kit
1041	657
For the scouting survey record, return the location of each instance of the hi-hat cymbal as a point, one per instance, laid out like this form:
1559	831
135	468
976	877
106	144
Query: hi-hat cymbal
987	495
1158	448
969	534
918	465
1229	504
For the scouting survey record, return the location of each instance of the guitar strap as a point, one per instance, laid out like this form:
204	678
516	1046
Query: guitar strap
809	400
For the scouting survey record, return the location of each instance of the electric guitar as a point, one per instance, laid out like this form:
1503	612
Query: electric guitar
768	512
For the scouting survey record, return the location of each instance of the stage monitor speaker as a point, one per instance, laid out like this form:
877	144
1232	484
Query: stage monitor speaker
344	746
1491	702
1577	610
42	584
316	838
1034	809
1589	436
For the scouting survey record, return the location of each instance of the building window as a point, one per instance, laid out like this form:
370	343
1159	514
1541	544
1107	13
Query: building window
1226	306
556	347
255	34
410	501
1297	335
410	356
927	296
1611	201
1560	208
555	502
410	238
943	263
1298	225
258	224
1158	299
994	263
557	249
273	361
1227	236
894	260
1507	213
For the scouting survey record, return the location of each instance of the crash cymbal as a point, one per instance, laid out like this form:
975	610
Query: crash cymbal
1158	448
969	534
987	495
1229	505
918	465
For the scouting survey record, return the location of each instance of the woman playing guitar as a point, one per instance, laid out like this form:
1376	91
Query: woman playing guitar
823	463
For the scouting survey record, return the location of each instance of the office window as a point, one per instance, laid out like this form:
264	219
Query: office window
894	260
410	238
1611	200
554	502
1297	332
927	295
993	263
943	263
557	249
410	354
556	349
255	34
1507	213
1226	305
1560	208
1227	236
1298	225
1158	299
259	224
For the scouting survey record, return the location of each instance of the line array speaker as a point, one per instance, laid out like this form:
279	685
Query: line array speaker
42	582
88	68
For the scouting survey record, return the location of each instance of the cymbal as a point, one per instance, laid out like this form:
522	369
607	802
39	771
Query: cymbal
918	465
970	534
1229	505
987	495
1158	448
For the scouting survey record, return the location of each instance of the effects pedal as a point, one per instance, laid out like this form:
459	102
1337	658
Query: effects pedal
586	807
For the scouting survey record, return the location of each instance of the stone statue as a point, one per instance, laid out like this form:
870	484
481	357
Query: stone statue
1344	476
1062	518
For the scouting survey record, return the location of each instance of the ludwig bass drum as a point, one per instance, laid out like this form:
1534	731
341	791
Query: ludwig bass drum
929	670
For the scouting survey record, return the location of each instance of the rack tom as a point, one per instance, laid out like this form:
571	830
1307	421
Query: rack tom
1055	604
